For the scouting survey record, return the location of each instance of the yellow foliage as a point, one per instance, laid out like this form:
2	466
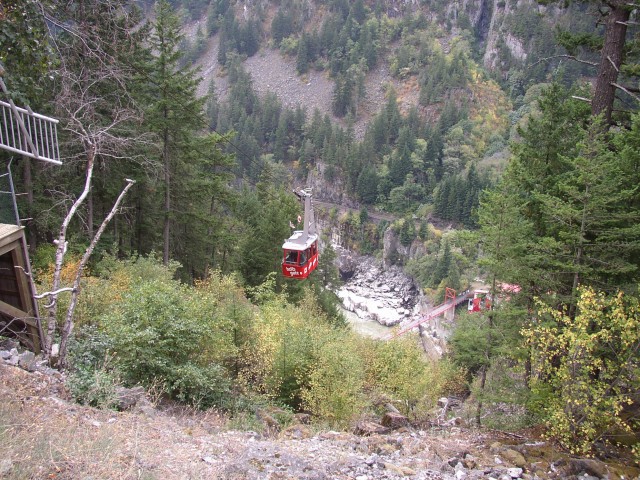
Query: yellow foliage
586	368
399	369
434	232
489	113
335	391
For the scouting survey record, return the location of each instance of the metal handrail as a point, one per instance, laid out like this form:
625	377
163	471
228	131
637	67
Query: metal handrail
28	133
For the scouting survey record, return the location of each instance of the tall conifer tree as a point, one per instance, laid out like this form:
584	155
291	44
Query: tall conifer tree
191	162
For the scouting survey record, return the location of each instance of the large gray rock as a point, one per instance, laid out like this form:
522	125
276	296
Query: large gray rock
128	397
8	344
385	295
6	467
369	428
514	472
347	263
514	457
297	432
590	467
394	420
27	360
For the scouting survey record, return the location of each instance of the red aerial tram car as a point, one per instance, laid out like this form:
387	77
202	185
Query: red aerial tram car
300	250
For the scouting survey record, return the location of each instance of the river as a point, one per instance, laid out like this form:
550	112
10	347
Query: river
369	328
375	298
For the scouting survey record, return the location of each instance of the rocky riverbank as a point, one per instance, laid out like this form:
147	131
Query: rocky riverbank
374	293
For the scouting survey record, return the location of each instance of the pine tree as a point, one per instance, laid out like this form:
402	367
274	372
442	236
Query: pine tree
367	185
281	26
302	60
282	137
445	259
175	114
612	50
268	212
588	214
23	30
98	98
393	118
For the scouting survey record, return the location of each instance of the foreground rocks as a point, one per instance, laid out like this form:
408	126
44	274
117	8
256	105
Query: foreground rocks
177	443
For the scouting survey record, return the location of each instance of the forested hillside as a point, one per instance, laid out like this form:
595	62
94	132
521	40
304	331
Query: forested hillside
504	139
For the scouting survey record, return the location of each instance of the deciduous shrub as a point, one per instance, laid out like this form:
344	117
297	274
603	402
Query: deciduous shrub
400	370
164	331
335	391
93	377
587	368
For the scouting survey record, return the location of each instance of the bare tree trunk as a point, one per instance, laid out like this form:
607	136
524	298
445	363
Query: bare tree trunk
52	307
578	258
137	243
167	198
528	367
488	352
483	381
68	323
209	262
90	214
610	58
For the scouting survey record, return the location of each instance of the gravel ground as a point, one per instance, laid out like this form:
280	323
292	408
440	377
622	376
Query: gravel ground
44	435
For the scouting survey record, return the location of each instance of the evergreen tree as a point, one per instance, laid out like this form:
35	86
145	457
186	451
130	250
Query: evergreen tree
282	137
588	213
213	18
98	98
615	57
212	106
281	25
175	114
268	212
393	118
367	185
445	259
369	44
23	30
302	61
342	96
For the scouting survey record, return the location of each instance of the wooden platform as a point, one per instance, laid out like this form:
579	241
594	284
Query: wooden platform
18	309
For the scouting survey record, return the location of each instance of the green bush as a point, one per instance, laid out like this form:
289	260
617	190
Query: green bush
586	369
206	345
335	392
201	387
92	378
399	369
161	334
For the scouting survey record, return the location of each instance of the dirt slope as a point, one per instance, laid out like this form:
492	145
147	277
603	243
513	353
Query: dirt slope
43	435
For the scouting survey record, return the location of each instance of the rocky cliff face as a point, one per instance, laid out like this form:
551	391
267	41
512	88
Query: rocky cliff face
492	24
394	252
496	31
328	188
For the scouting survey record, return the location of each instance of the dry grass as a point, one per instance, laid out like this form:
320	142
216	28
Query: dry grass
45	437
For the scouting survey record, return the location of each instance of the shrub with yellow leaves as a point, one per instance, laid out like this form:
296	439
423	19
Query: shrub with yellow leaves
587	369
